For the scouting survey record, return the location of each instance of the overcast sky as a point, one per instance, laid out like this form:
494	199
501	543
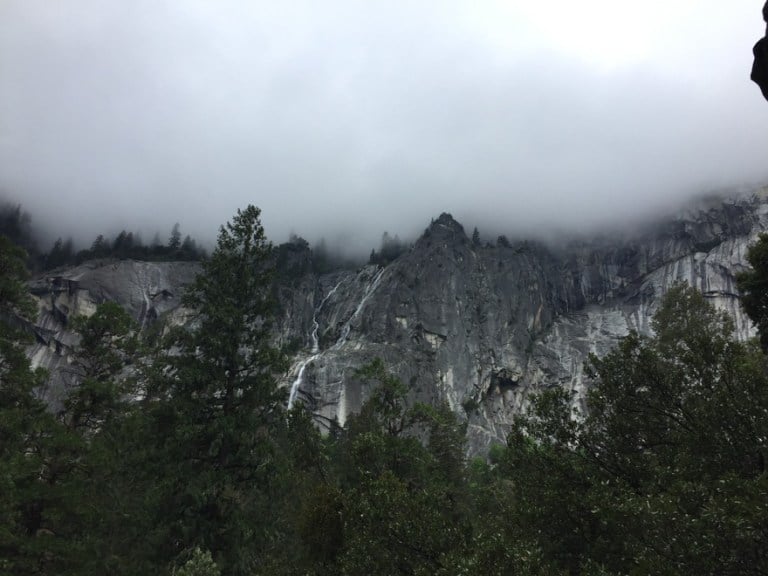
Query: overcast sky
370	115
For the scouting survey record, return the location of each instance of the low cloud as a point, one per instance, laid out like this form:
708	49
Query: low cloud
342	121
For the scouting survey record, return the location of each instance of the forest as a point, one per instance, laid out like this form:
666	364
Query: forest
176	455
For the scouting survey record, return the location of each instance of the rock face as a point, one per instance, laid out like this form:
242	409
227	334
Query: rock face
147	290
481	326
478	326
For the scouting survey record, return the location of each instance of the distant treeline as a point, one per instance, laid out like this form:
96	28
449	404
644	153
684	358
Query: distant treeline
16	224
297	258
390	249
294	258
124	245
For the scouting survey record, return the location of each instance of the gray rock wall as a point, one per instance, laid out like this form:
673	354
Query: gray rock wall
481	327
477	326
147	290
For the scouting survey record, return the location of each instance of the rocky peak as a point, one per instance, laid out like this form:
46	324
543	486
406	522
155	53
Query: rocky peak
446	222
443	231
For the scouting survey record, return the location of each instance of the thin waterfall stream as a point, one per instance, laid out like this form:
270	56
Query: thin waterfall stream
367	294
315	352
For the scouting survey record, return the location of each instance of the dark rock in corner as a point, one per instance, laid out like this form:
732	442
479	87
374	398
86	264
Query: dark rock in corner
760	65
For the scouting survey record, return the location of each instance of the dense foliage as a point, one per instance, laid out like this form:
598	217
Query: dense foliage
177	456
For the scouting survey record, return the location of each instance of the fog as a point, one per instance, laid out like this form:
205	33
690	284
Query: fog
344	119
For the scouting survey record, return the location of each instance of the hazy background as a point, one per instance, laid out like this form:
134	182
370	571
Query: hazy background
348	118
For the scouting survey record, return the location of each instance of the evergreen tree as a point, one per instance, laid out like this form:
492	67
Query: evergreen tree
391	248
107	346
399	506
123	245
37	521
16	225
189	247
665	471
220	413
174	241
61	253
753	285
101	247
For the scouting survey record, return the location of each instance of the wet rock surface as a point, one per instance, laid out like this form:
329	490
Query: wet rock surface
477	325
481	327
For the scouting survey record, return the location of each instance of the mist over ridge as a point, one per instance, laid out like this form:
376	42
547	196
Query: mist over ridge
345	247
345	121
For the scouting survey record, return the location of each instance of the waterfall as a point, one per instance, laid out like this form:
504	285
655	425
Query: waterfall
142	284
315	350
315	324
367	294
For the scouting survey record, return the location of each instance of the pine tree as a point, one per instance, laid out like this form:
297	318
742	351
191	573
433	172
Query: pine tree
174	241
107	345
61	253
399	506
36	454
101	247
666	472
220	413
753	285
475	237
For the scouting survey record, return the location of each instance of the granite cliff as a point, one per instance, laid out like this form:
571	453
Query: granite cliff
477	325
147	290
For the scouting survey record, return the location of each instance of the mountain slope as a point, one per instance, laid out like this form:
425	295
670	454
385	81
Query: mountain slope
478	326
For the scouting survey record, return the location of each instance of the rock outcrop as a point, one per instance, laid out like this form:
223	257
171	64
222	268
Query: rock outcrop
147	290
760	64
479	326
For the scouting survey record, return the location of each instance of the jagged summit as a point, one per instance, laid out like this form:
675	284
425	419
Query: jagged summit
447	222
445	227
446	219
